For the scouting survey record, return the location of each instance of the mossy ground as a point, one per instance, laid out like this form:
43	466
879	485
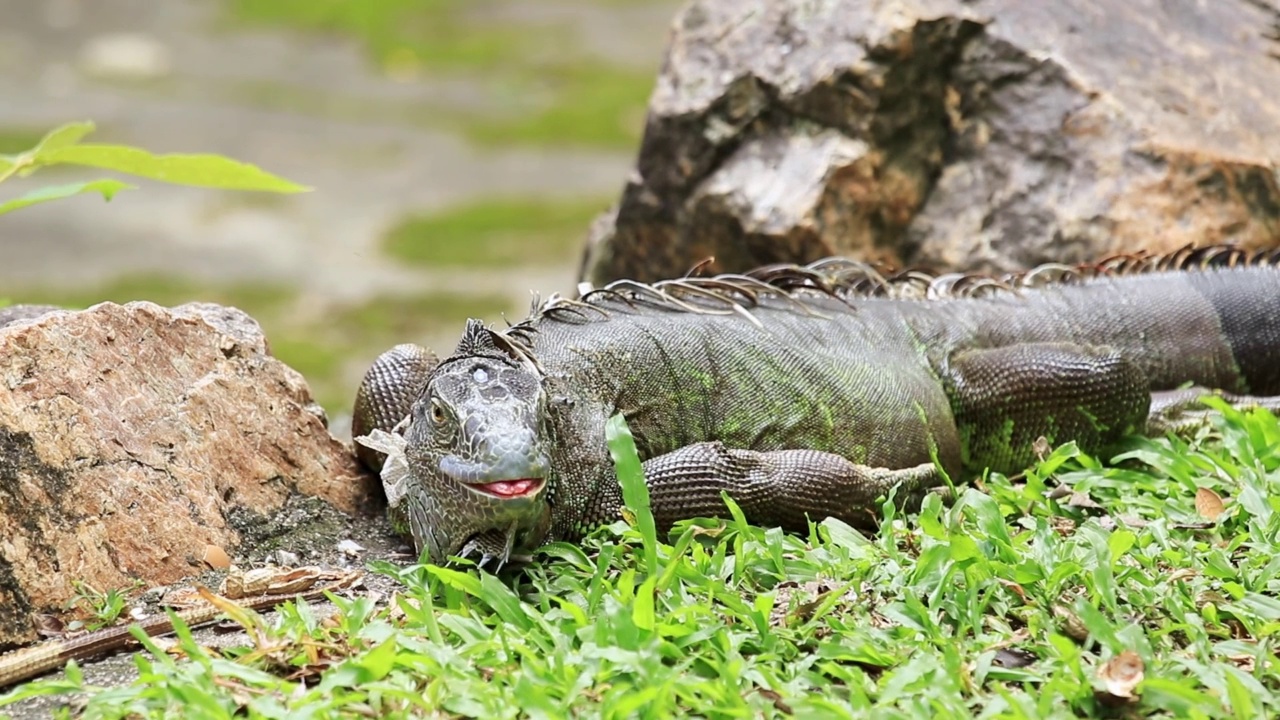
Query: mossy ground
494	232
538	86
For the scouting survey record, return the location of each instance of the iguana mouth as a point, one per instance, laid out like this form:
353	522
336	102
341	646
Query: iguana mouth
511	489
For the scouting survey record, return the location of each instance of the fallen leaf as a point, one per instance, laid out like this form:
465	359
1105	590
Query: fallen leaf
1133	521
215	557
1071	624
772	696
1064	526
48	626
1041	448
272	581
350	547
1208	504
1120	676
1082	500
1015	587
1210	597
1243	662
1013	658
1193	525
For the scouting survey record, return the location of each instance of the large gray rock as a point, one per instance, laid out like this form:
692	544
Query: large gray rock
131	435
990	135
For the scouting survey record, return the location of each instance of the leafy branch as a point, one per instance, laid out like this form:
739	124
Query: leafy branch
64	146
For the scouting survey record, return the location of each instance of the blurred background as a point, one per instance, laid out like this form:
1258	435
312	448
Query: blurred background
458	150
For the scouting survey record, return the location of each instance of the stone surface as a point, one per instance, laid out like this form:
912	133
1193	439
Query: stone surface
987	135
131	435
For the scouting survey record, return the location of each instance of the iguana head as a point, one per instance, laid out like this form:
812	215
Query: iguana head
477	450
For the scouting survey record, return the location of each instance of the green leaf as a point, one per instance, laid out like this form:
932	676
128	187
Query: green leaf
635	493
504	602
469	584
841	534
642	613
62	137
964	548
212	171
376	663
1119	543
108	187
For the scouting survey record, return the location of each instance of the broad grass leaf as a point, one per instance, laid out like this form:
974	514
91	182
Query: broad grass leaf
635	493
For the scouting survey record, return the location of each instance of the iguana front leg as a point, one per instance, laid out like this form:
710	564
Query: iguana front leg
1006	398
387	392
781	487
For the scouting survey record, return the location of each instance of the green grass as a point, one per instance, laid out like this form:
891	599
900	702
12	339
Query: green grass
547	91
497	232
321	346
1005	604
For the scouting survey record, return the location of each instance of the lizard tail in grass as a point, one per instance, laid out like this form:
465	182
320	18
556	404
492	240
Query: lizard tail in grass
803	391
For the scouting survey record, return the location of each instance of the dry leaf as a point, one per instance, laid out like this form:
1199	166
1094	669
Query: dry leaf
772	696
1210	597
1015	587
1194	526
1133	521
1013	658
272	581
1208	504
1071	625
1243	662
1120	676
215	557
1082	500
1041	448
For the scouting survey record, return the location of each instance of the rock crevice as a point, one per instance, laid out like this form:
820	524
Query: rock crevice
954	135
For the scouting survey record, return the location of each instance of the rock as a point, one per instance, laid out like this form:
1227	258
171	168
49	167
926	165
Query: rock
129	435
986	135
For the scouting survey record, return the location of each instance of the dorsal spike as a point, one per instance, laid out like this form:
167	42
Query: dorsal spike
476	340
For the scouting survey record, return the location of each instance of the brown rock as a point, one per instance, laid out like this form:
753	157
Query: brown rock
988	135
127	436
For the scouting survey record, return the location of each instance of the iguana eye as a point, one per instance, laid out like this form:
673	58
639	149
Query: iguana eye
438	414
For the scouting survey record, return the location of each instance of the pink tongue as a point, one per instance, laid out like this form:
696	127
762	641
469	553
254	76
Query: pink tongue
510	488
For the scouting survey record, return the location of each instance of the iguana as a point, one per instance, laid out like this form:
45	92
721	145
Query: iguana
804	392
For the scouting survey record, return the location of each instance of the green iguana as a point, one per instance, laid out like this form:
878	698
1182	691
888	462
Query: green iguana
803	392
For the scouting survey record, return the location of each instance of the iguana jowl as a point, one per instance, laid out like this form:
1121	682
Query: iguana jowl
800	395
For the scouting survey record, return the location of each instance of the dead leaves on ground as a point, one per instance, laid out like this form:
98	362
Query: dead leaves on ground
1120	677
1209	504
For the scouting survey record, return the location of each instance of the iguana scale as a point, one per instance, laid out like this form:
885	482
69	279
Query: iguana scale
804	392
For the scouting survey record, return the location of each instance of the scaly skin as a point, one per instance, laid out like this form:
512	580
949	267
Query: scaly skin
802	404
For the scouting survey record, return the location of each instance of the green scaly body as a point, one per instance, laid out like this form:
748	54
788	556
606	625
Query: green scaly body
819	406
